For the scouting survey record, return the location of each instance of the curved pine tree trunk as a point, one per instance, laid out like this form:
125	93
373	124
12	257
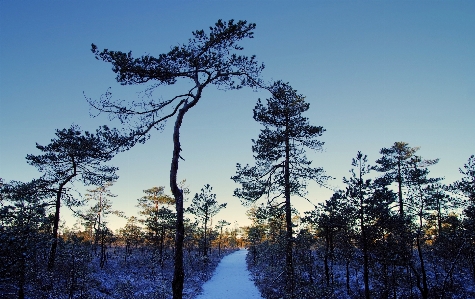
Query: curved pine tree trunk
179	272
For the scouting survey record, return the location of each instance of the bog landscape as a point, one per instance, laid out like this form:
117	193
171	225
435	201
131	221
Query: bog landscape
389	228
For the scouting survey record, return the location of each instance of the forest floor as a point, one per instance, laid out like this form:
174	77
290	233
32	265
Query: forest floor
231	279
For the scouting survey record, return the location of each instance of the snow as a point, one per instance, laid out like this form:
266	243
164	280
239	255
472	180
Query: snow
231	280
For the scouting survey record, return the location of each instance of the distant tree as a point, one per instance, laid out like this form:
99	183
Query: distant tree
421	197
153	199
98	213
221	224
256	233
439	203
371	203
282	168
131	233
207	59
75	155
204	206
394	164
158	217
160	223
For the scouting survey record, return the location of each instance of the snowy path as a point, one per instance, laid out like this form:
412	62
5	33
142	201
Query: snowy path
231	280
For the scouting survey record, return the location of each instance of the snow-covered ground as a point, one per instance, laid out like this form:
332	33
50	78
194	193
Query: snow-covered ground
231	280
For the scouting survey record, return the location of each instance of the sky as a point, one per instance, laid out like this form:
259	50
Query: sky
374	72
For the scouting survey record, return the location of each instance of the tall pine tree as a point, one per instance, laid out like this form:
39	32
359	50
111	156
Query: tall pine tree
282	168
206	59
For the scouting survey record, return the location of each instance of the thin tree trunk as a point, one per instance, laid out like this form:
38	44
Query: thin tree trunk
179	272
327	249
59	192
363	236
22	274
365	268
399	183
205	248
219	242
425	289
103	249
289	269
54	245
162	237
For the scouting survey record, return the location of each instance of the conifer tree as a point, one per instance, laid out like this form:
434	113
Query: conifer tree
204	206
371	205
159	218
98	213
394	164
131	234
207	59
221	224
76	155
282	168
420	195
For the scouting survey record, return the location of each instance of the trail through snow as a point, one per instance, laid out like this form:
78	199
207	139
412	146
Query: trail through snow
231	280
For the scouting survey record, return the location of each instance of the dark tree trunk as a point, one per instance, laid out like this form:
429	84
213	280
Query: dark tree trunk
364	237
365	266
219	242
179	272
205	245
54	245
59	193
289	269
439	217
103	249
22	274
424	289
327	253
162	237
399	184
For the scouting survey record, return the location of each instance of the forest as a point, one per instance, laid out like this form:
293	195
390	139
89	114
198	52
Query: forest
393	231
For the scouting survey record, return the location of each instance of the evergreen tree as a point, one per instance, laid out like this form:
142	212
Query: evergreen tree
98	216
221	224
420	198
282	168
76	155
131	234
371	205
204	206
159	219
207	59
395	165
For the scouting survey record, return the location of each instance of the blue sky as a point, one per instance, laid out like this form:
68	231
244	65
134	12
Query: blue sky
374	72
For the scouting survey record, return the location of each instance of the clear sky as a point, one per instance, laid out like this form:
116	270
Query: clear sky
374	72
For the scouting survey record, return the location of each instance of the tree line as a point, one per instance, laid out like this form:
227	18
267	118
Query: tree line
398	233
89	256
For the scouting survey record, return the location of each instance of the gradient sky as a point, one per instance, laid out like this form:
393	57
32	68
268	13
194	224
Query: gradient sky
374	72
